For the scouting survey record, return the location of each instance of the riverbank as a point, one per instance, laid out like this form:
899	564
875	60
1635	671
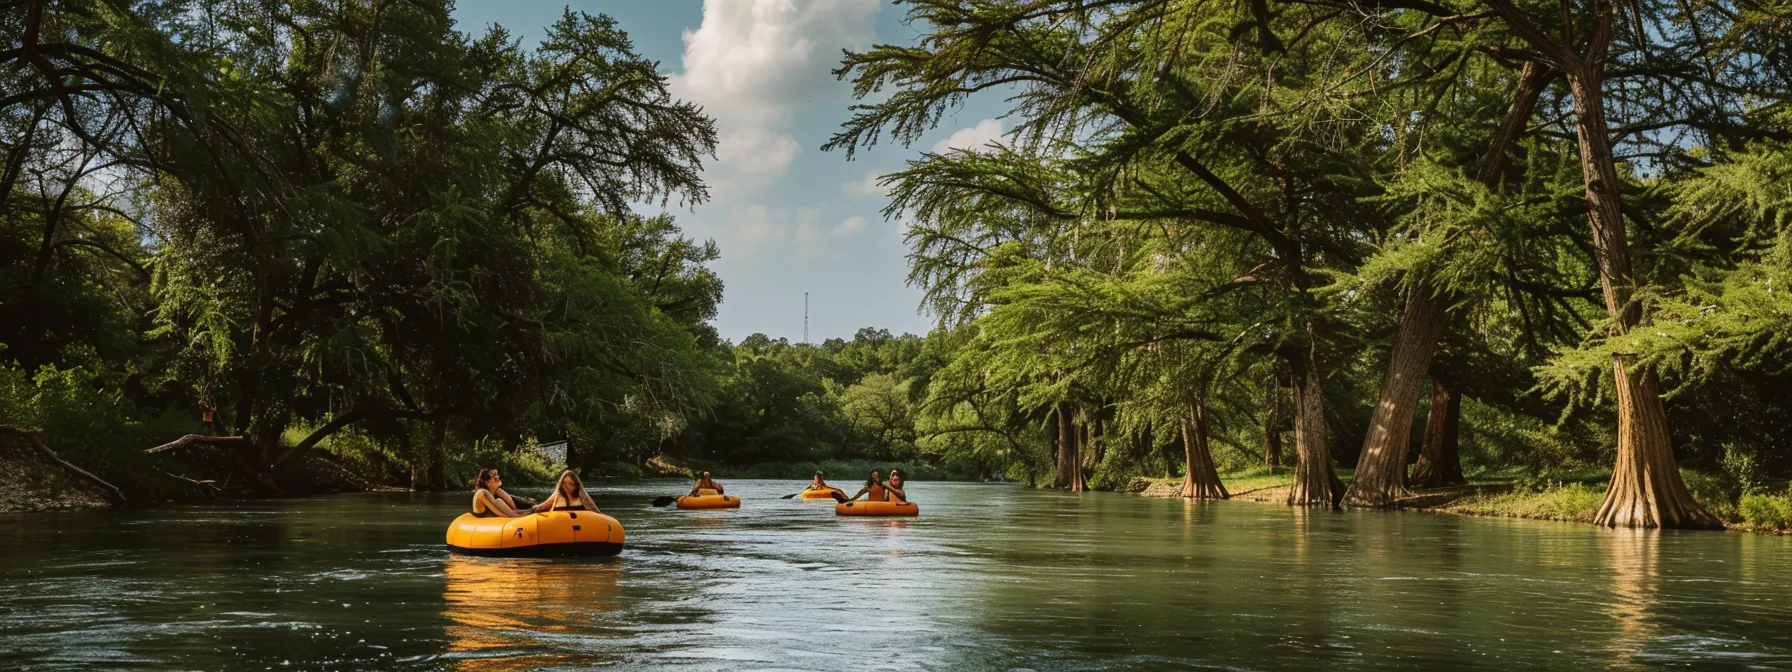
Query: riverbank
1574	498
38	485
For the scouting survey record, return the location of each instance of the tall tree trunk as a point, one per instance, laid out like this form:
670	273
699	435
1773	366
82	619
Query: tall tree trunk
1066	436
1079	477
1440	463
1381	471
1646	489
1315	484
1200	479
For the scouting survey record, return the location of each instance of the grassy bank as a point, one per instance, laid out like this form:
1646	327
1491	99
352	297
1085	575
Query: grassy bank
1566	496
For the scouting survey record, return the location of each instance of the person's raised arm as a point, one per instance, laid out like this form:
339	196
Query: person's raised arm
547	503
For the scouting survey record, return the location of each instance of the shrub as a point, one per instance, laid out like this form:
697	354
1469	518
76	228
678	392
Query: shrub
1767	510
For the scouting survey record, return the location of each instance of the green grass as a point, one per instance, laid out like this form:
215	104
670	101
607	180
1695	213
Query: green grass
1556	494
1567	501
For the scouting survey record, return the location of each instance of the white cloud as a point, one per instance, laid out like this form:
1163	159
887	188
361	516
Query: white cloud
975	137
867	186
751	63
849	227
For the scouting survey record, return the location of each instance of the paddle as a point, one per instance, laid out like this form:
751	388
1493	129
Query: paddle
834	492
664	501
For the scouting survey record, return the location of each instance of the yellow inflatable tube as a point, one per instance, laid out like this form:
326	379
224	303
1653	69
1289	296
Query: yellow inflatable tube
876	509
822	494
552	534
708	502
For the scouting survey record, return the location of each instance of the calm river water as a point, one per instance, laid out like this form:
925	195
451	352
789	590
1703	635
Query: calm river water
989	577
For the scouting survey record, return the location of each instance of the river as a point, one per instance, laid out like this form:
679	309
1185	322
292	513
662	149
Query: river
988	577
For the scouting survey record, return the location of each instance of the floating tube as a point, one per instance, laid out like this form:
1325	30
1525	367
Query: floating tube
876	509
708	502
822	494
553	534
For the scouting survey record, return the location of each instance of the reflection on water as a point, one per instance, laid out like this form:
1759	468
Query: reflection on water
1635	584
988	577
503	614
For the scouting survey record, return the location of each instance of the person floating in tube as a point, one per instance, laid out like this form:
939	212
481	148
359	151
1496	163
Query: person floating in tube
489	498
569	495
874	490
816	484
894	487
704	482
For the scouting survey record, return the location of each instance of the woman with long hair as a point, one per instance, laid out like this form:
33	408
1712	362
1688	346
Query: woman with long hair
569	495
874	487
488	498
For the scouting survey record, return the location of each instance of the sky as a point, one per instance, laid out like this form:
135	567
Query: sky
789	218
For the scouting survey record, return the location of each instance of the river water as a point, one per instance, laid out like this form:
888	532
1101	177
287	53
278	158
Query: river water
988	577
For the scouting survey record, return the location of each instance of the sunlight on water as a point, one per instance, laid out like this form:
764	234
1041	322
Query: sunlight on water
988	577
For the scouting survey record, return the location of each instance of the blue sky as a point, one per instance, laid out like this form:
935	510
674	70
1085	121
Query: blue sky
789	217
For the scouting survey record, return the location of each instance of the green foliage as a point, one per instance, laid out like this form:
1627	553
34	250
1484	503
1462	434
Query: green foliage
1768	511
350	217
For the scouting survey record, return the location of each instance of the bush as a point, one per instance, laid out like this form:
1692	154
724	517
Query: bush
1717	492
1767	511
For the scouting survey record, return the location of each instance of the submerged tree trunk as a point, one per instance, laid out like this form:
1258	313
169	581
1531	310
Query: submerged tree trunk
1440	463
1200	479
1381	471
1315	484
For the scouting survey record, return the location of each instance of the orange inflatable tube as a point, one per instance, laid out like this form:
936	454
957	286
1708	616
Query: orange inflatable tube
708	502
821	494
550	534
876	509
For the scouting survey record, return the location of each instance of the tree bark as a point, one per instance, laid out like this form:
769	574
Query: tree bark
1066	436
1079	477
1646	489
1381	471
1200	479
1315	484
1440	461
1378	480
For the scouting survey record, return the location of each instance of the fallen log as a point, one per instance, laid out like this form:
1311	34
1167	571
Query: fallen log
29	436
